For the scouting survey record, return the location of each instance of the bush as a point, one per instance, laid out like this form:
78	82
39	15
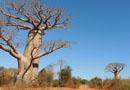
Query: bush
95	82
35	84
55	83
107	83
44	84
73	83
45	77
84	81
7	75
64	76
76	82
70	83
116	84
112	84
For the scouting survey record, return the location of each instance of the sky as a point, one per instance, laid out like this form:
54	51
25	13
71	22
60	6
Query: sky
101	32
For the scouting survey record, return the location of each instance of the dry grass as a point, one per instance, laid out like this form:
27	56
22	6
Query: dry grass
24	87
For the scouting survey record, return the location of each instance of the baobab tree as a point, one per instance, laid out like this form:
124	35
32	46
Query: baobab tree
35	18
115	68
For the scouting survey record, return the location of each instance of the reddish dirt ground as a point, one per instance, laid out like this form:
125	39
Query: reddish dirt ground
82	87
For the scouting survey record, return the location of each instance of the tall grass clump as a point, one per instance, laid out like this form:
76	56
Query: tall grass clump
118	84
110	84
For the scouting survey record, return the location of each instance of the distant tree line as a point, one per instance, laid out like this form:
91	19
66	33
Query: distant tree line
45	77
65	78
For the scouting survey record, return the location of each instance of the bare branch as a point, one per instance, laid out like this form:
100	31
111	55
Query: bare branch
24	13
45	53
9	50
10	44
6	36
15	17
20	25
115	67
52	46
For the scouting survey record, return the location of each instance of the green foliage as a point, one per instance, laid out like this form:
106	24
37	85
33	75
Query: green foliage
66	79
64	76
45	78
84	81
95	82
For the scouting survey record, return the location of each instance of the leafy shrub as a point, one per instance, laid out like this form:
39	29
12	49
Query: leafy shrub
45	77
55	83
84	81
95	82
76	82
73	83
64	76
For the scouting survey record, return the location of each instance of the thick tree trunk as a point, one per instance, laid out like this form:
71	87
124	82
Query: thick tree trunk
28	67
116	75
21	62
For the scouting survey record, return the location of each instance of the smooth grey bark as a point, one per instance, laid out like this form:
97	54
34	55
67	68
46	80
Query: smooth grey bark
116	75
35	17
28	66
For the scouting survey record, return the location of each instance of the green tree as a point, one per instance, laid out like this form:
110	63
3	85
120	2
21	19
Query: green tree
64	75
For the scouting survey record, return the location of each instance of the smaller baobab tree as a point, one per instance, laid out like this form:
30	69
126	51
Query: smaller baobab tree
115	68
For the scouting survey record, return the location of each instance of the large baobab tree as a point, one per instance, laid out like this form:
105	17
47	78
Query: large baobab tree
35	18
115	68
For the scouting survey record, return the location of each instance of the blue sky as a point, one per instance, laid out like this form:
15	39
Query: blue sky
101	30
